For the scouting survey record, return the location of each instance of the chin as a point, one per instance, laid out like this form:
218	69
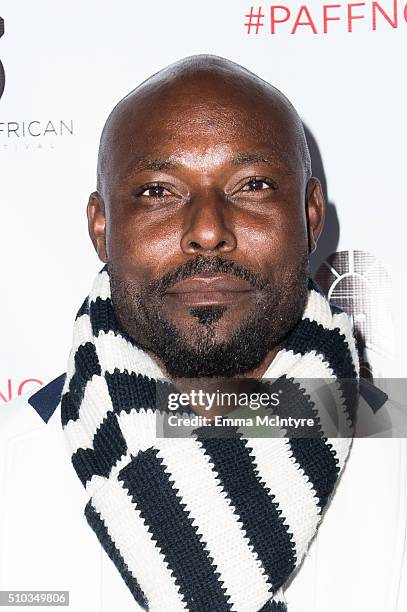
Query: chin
207	321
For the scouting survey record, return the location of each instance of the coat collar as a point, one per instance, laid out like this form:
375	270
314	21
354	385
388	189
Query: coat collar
47	398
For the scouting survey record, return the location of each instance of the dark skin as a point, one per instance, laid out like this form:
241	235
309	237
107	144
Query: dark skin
204	161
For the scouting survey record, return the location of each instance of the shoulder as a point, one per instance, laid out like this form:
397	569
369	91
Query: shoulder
379	416
30	411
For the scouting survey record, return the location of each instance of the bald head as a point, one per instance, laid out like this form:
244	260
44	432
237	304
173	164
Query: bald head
207	90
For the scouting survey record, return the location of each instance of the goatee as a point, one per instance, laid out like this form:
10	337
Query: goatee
277	309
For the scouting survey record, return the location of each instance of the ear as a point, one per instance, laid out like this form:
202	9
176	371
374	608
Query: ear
97	224
315	211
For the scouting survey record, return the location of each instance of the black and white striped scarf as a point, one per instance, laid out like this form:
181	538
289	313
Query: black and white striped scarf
201	524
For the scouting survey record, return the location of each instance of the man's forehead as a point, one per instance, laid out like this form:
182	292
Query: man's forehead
160	122
198	138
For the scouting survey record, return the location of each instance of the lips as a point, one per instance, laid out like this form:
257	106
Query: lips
210	289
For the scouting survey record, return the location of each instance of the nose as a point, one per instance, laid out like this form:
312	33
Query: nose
207	228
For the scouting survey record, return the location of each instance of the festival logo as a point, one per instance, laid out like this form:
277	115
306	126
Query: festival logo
33	133
356	282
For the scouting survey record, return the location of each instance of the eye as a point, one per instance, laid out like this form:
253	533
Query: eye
258	184
154	190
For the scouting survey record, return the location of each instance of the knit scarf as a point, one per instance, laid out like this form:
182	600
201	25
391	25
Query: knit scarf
203	524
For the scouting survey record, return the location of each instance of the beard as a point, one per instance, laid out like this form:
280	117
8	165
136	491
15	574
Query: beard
197	351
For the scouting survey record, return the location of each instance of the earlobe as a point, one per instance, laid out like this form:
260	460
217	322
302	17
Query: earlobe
315	211
97	224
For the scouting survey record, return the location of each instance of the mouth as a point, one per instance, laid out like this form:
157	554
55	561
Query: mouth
209	289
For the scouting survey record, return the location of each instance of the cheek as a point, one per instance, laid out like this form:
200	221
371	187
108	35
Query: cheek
138	247
273	238
292	236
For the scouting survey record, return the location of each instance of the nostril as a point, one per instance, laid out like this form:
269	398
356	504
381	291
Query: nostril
195	245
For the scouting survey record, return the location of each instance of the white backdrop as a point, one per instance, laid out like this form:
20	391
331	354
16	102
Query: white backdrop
67	63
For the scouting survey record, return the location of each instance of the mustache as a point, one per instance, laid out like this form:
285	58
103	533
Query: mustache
207	265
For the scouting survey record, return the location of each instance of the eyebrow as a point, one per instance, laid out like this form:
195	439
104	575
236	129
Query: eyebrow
141	162
248	158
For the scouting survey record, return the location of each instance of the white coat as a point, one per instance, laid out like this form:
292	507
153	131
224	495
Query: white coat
356	563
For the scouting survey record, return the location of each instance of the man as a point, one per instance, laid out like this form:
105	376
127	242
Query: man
205	214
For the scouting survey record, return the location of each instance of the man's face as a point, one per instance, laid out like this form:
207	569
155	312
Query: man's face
204	228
